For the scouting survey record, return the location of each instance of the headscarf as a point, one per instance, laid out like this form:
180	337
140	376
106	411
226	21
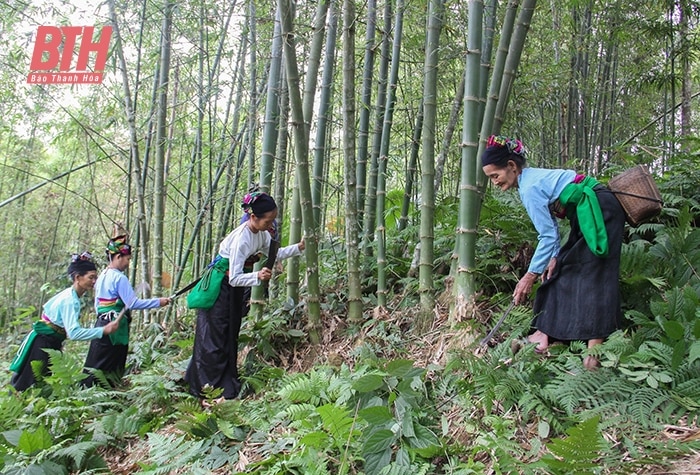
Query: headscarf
81	264
258	203
118	245
500	149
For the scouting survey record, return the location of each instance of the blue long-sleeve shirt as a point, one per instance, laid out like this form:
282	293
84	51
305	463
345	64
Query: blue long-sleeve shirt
113	285
63	309
538	188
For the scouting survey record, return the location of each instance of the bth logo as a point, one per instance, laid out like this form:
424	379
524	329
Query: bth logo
54	51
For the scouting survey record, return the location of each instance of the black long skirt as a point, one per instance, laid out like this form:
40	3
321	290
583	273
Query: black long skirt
105	356
581	299
215	352
25	378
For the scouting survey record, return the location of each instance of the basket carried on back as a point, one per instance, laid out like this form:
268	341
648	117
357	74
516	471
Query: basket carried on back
638	194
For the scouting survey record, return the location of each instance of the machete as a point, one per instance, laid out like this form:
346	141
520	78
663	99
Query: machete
493	331
272	254
185	289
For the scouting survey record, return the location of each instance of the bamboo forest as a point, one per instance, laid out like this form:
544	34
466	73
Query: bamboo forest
398	331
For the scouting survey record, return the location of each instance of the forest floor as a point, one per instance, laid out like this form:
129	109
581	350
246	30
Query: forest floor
335	349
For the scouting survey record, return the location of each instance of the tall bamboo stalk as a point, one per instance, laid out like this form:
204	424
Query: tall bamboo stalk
236	140
490	123
447	136
269	142
469	198
515	51
411	169
427	212
320	168
352	250
380	230
253	105
365	107
135	165
162	144
370	198
301	144
271	118
311	80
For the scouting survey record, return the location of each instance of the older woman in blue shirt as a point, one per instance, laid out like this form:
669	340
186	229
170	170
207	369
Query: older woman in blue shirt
60	319
579	296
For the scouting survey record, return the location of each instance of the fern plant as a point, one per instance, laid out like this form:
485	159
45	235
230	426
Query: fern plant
578	452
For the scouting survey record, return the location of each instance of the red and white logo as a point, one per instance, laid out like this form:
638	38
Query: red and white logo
55	48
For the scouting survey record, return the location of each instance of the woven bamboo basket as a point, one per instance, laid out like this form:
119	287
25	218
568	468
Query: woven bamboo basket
638	194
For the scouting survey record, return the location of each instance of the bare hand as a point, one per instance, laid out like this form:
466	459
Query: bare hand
264	274
110	328
549	269
165	301
524	287
302	244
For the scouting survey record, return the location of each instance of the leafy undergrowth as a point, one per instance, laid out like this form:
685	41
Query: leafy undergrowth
378	399
372	399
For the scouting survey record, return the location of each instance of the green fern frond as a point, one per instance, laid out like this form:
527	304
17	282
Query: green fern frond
338	423
572	393
339	388
656	351
304	388
577	453
410	469
77	452
122	424
508	389
200	425
170	454
533	404
261	377
297	412
189	405
644	405
152	390
687	381
11	408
